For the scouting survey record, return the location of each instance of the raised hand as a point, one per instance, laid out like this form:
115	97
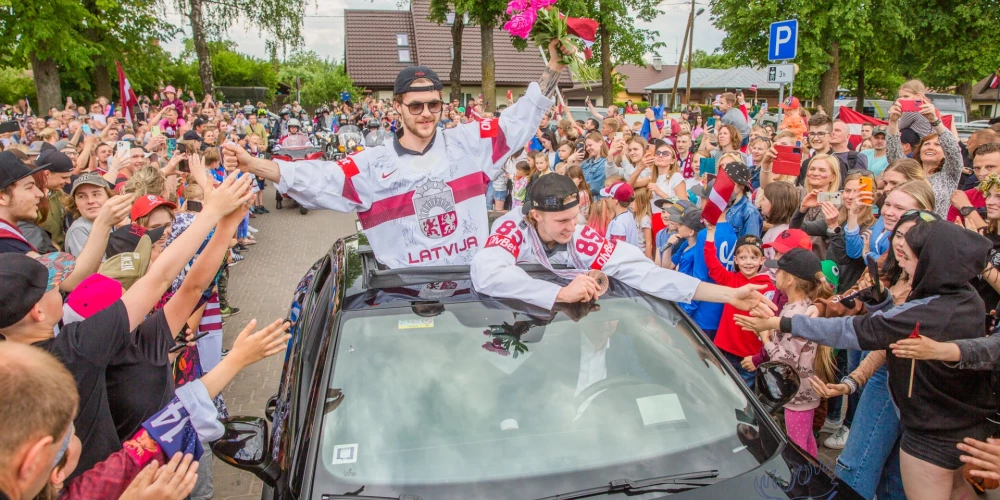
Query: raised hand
252	346
115	210
233	156
749	298
233	192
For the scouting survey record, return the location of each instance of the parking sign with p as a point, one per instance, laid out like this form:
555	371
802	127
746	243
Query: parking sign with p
784	42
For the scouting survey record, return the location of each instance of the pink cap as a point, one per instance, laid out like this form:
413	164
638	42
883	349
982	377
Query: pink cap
91	296
171	89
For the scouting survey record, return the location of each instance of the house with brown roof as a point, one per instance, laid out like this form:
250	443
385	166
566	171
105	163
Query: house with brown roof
379	43
984	99
636	79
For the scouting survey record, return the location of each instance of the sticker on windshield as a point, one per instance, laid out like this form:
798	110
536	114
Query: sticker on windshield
409	324
659	409
345	454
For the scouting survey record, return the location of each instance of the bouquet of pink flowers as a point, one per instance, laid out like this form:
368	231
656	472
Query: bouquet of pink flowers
540	22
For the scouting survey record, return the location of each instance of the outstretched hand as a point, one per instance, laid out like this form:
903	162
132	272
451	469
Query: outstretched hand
749	298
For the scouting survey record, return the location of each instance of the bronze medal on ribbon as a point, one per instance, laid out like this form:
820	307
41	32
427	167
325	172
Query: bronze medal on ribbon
601	278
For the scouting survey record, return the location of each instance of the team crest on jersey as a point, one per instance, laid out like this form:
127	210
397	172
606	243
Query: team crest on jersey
434	205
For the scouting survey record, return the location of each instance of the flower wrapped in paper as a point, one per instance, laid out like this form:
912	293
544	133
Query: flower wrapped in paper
540	22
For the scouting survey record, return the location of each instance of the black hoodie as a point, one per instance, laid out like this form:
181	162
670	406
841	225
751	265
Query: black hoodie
947	308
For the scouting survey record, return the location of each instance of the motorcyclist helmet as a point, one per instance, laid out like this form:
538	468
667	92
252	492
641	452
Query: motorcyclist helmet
261	112
284	111
343	117
373	123
294	123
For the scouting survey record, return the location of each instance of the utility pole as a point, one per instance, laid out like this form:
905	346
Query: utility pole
680	62
687	90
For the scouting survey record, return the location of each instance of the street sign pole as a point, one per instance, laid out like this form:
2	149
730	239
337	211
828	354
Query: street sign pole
781	99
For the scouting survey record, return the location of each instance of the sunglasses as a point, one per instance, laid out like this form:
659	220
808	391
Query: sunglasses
416	108
665	152
920	214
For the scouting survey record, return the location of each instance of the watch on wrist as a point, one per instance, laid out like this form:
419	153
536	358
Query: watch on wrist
834	230
935	123
965	211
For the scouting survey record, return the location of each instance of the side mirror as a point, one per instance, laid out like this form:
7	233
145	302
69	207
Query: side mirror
776	384
270	407
244	445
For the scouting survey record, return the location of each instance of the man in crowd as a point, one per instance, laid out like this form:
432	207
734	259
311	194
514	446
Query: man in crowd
820	131
732	115
909	139
421	199
197	128
545	232
255	128
19	197
839	137
876	158
60	168
985	161
866	132
295	138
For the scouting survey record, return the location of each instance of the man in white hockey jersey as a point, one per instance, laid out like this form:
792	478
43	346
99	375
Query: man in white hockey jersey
421	197
545	232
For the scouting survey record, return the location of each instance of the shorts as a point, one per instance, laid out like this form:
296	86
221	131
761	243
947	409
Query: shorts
260	184
500	195
938	448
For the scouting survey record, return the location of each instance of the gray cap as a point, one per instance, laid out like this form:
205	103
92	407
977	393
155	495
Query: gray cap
35	149
91	178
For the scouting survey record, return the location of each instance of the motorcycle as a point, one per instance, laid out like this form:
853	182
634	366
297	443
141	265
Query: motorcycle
327	142
291	154
349	140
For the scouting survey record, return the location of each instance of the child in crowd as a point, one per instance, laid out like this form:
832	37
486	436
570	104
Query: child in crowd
778	203
622	226
670	228
800	277
741	214
783	243
678	253
643	217
522	174
733	341
576	173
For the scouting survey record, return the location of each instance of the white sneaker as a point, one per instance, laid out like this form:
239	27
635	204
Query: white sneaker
831	426
839	439
251	228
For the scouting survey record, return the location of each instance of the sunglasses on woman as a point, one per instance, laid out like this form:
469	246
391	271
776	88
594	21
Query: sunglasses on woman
415	108
664	152
920	214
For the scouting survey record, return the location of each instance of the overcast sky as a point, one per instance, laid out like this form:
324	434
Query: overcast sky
324	28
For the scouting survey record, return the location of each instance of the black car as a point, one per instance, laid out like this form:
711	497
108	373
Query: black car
408	384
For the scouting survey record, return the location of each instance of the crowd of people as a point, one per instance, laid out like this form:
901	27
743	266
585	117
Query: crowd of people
911	200
849	264
117	239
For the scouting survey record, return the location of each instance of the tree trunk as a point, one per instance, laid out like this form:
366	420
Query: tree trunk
46	85
965	90
829	80
859	106
201	47
102	81
607	88
489	69
457	28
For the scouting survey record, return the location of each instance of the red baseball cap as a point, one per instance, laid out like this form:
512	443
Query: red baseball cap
620	191
789	239
790	103
143	205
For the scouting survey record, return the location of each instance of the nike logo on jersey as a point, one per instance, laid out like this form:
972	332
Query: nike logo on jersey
386	176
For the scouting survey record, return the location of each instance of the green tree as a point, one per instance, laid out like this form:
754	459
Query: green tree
231	68
322	79
279	22
827	29
439	13
488	14
702	59
619	41
15	84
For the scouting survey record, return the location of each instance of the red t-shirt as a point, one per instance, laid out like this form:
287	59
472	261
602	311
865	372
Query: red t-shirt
730	337
976	198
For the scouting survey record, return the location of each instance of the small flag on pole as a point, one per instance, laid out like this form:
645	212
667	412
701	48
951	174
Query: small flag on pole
127	95
718	198
915	334
994	80
510	96
753	87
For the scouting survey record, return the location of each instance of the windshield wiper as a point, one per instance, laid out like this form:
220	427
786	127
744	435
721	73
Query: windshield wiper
678	482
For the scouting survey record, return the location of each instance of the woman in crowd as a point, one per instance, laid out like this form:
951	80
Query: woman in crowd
595	161
576	173
938	405
665	180
778	202
550	146
641	208
758	148
823	176
988	284
729	142
635	161
88	195
938	153
697	127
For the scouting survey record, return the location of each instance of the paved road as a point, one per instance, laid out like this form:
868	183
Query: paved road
262	285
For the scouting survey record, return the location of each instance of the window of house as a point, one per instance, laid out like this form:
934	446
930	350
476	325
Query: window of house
404	55
450	17
402	40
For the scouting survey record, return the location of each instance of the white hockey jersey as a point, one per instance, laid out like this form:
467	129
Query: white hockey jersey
495	273
421	209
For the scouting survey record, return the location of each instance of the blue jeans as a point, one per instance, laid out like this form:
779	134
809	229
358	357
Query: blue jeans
870	461
834	406
489	196
747	376
853	361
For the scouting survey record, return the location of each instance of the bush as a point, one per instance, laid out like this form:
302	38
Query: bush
706	111
642	105
14	85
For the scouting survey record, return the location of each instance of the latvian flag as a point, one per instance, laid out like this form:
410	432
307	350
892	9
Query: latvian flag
585	29
994	80
127	95
718	198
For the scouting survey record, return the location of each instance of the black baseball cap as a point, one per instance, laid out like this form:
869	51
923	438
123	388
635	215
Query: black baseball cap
56	160
12	169
748	239
24	280
551	193
126	239
409	74
739	173
908	136
800	263
684	213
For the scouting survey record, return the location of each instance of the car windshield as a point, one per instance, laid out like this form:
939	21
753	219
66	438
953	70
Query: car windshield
476	392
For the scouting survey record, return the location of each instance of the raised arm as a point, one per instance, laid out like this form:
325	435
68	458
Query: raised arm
90	257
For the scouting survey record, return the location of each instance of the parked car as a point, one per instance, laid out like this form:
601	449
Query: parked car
409	384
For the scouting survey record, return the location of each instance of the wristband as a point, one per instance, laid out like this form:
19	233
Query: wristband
785	325
850	383
936	122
